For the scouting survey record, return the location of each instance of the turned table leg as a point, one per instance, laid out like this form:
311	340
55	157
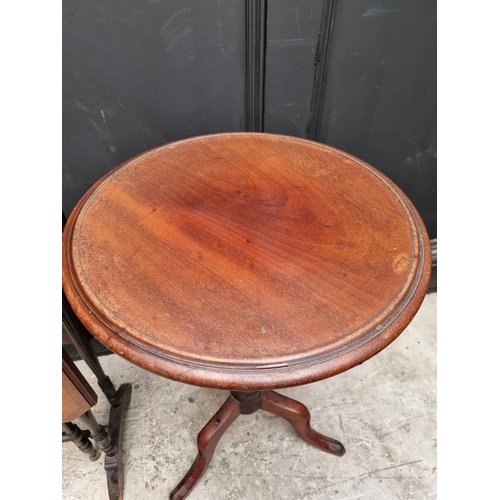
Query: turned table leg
108	439
98	433
75	434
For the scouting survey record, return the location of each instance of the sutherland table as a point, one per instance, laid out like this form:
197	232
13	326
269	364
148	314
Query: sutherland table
247	262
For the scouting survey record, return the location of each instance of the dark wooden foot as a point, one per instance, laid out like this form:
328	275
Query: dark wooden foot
113	460
207	442
75	434
298	415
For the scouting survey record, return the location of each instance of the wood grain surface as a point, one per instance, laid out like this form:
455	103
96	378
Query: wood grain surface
77	394
245	261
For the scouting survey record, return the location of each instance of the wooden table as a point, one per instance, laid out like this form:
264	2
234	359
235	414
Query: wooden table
247	262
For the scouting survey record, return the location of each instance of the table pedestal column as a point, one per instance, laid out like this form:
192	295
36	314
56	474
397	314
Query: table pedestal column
246	403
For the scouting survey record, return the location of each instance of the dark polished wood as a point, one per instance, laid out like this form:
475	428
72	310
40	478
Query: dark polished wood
245	261
245	403
74	331
208	439
113	461
298	415
77	399
75	434
98	433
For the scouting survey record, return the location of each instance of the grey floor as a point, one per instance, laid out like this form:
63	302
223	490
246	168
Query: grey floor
384	412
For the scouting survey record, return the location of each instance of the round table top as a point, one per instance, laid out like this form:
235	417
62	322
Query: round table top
245	261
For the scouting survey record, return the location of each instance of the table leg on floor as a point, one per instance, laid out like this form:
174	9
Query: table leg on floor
298	415
75	434
98	433
245	403
113	462
208	439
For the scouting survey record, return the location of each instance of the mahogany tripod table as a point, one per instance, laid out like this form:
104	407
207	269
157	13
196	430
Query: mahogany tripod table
247	262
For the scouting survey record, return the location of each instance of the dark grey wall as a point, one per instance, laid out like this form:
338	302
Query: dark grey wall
292	39
380	96
137	74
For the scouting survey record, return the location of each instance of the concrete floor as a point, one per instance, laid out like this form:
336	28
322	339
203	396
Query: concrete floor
383	411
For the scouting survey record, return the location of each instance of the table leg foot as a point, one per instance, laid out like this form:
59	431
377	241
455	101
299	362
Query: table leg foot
298	415
208	439
113	463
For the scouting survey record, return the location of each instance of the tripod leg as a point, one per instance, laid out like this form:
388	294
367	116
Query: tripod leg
298	415
207	442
